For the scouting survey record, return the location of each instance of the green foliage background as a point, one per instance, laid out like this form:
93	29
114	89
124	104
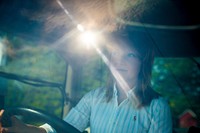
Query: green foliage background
39	62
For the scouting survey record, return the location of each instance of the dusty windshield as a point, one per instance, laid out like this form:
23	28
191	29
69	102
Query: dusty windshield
52	53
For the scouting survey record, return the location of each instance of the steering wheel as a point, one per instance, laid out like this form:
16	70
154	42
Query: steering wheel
58	124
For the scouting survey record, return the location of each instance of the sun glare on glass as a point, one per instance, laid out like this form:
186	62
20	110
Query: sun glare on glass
88	38
80	27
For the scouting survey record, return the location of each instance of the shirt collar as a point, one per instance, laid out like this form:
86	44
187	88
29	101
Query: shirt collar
116	92
115	89
130	95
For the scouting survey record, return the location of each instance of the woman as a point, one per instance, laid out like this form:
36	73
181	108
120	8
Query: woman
128	103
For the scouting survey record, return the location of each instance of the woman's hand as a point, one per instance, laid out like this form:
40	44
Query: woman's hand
1	113
19	127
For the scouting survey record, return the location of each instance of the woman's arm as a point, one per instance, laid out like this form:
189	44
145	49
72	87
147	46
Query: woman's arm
79	116
161	121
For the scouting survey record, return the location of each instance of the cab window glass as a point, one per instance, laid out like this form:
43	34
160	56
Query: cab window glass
32	75
178	80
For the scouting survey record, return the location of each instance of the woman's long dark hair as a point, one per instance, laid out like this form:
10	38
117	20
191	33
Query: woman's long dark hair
144	46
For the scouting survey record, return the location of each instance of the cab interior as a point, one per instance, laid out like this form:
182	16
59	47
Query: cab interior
45	69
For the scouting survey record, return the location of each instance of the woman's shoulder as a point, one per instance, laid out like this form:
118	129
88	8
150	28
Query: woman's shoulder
96	95
160	100
159	103
98	92
160	110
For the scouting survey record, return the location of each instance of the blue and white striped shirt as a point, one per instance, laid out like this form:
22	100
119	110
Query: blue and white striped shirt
108	117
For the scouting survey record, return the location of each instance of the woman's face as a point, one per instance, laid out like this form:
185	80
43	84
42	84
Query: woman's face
127	63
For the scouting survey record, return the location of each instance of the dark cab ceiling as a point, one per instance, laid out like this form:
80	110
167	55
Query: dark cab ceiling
174	25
